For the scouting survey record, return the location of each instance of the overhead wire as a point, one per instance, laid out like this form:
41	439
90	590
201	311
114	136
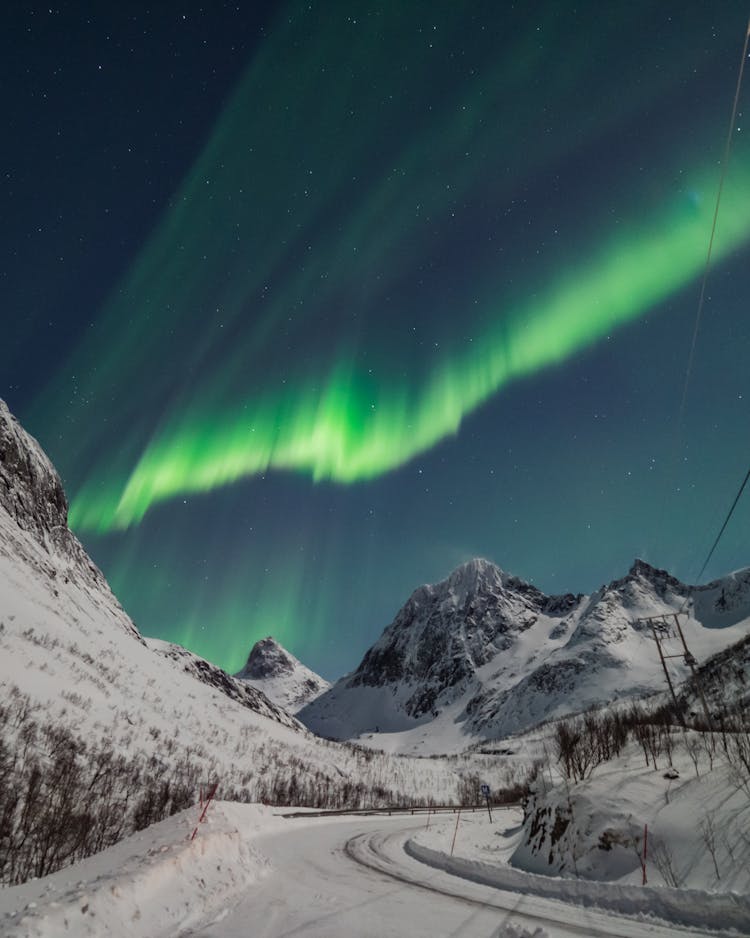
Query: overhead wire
724	526
702	296
709	252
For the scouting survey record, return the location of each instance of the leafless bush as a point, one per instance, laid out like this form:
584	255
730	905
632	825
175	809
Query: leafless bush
693	748
582	743
708	832
469	789
62	799
663	860
651	741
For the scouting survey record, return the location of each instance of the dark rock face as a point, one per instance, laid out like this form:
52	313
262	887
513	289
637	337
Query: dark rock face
32	495
725	682
30	488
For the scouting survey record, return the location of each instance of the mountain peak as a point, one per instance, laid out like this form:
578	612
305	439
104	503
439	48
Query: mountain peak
477	566
640	570
483	653
268	659
281	676
473	576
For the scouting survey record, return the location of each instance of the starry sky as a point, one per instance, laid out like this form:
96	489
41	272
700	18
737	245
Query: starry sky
310	302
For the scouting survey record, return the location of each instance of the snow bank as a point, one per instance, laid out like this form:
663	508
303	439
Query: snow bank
697	824
691	907
154	883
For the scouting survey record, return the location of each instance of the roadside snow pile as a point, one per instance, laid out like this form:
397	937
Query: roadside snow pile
691	907
582	841
154	883
483	852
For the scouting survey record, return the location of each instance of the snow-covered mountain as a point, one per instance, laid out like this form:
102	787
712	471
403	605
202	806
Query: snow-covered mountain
281	676
483	654
53	596
724	680
123	729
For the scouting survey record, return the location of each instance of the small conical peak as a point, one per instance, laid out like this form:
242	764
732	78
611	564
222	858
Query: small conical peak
267	658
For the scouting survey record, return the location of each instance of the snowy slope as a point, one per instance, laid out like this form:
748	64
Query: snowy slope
212	675
282	677
484	655
154	883
724	680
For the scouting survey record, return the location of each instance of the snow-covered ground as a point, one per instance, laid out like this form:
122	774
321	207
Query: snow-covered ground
251	871
698	823
155	882
488	853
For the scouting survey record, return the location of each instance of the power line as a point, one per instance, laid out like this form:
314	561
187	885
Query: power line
707	266
702	296
726	522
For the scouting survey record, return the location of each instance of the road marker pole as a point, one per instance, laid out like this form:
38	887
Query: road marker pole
485	790
205	808
458	818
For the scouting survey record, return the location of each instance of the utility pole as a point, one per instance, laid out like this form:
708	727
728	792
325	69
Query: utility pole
691	662
651	621
659	624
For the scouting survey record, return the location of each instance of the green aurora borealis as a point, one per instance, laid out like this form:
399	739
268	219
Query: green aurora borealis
346	429
415	244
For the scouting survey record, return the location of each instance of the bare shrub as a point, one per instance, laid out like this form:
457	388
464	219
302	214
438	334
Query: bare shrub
663	859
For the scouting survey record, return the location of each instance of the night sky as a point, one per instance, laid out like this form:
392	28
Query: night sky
310	302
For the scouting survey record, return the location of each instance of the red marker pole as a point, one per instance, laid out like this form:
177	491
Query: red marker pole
205	808
645	851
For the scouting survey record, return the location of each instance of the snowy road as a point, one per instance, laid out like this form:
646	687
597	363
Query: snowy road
352	878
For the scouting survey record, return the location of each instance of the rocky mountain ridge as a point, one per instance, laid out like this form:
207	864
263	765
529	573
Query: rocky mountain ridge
483	654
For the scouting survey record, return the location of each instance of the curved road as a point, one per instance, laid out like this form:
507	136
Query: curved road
344	878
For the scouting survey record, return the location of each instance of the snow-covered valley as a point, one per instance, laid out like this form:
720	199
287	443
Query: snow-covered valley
108	741
417	874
